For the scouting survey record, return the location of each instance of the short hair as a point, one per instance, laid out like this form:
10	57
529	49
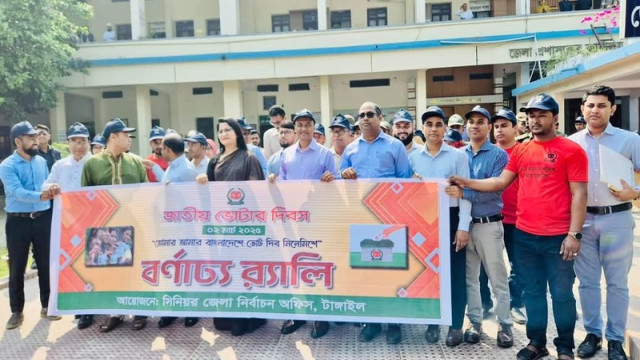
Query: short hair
174	142
276	110
253	132
43	127
600	90
288	125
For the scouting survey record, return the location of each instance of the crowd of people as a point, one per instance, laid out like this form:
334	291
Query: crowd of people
534	193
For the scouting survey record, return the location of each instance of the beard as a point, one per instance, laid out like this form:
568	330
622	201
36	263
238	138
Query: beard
31	152
406	140
158	152
285	145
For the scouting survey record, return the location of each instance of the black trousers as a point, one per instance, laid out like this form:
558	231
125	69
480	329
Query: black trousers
458	274
22	232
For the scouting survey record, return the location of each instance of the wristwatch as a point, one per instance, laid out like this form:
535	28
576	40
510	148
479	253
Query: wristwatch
576	235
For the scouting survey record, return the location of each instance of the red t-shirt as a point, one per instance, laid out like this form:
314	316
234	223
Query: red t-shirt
161	162
544	171
510	196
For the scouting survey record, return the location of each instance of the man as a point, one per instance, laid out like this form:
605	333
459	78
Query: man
319	135
439	160
341	136
197	150
464	13
457	123
385	127
270	138
523	132
580	123
98	144
246	132
607	242
109	35
115	166
287	138
453	139
255	137
306	159
155	141
486	243
44	149
356	129
403	130
391	161
28	218
552	196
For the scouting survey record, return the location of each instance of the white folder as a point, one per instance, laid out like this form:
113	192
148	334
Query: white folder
614	167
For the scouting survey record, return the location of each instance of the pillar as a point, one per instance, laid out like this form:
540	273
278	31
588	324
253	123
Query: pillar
175	99
326	110
138	19
143	121
58	119
560	99
421	96
634	114
233	102
522	7
229	17
99	111
322	15
420	11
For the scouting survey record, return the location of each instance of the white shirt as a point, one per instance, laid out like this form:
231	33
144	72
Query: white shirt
109	36
271	141
67	173
465	15
202	168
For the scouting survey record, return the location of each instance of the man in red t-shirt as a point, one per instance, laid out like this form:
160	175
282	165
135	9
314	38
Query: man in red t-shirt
552	172
155	140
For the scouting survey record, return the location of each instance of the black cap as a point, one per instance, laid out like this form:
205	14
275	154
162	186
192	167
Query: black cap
319	129
478	110
580	120
114	126
22	128
303	113
198	137
341	121
402	115
77	130
453	136
157	133
243	124
507	114
433	111
542	102
99	140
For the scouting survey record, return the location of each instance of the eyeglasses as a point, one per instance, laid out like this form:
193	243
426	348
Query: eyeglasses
225	130
369	114
286	132
338	132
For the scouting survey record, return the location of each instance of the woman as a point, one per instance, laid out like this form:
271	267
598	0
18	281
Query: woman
233	163
212	149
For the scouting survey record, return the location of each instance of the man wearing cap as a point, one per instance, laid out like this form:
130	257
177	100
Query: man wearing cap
385	127
403	130
486	244
115	166
109	35
270	138
155	141
523	132
390	161
356	129
98	144
319	135
197	150
580	123
246	132
453	139
44	149
552	174
341	136
28	218
438	160
607	242
287	138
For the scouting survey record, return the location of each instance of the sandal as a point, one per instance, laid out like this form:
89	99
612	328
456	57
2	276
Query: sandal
565	357
111	323
532	352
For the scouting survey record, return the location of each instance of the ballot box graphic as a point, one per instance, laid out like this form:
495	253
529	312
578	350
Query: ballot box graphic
378	246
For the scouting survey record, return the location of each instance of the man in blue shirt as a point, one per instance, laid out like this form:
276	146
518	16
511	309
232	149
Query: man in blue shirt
28	217
179	169
246	132
287	137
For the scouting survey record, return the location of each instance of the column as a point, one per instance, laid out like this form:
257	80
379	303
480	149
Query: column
326	110
143	121
99	111
229	17
522	74
560	99
138	19
634	115
233	102
322	14
420	11
175	99
168	19
58	119
522	7
421	96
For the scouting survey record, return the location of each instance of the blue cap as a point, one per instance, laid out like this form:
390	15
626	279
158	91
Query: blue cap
243	124
478	110
319	129
402	115
580	120
453	136
433	111
542	102
77	130
507	114
99	140
341	121
303	113
22	128
157	133
198	137
114	126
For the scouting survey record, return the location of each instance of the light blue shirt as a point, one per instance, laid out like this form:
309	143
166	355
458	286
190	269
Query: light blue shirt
447	162
67	173
273	165
310	163
488	162
180	170
22	181
621	141
258	153
202	168
384	157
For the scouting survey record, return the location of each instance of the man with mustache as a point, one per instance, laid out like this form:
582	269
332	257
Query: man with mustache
155	141
403	130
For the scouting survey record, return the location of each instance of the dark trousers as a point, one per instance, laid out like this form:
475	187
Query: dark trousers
22	233
458	274
540	264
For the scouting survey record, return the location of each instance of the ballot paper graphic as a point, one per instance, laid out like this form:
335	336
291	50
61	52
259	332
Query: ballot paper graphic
614	167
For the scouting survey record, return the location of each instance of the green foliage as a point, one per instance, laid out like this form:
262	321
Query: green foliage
62	147
560	58
37	42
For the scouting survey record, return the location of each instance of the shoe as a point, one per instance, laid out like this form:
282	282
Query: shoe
518	316
532	352
139	322
616	351
369	332
190	321
505	337
589	346
112	323
85	321
15	320
432	335
239	326
472	334
222	324
454	337
166	321
565	356
393	334
319	329
43	314
255	324
291	326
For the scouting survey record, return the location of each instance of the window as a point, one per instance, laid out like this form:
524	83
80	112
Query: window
377	17
155	122
368	83
123	32
268	88
268	101
442	78
213	27
299	87
112	94
481	76
157	30
204	125
310	20
153	92
184	28
441	12
341	19
280	23
201	91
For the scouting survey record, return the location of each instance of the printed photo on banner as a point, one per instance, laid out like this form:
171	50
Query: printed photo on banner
109	246
378	246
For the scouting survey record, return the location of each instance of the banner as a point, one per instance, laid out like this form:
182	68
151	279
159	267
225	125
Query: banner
629	19
362	251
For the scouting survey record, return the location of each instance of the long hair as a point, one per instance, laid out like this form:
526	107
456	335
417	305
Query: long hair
240	143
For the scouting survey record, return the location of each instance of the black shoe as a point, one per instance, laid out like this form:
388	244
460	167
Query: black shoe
432	335
505	337
369	332
454	337
85	321
222	324
190	321
393	334
319	329
472	334
616	352
589	346
239	326
139	322
290	326
166	321
112	323
255	324
532	352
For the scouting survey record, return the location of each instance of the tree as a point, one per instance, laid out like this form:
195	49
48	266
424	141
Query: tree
37	48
